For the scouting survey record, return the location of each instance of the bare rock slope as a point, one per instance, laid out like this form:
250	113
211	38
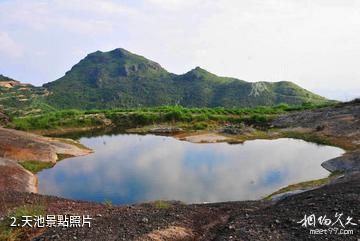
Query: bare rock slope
23	146
342	120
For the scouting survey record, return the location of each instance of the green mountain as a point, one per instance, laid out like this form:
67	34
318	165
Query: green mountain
119	78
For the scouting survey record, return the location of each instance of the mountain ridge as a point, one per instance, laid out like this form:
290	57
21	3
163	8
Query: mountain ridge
119	78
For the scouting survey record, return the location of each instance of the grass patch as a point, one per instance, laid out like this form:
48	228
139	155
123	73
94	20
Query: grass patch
305	185
308	136
336	173
36	166
160	204
138	117
8	233
200	126
301	185
55	120
63	156
74	143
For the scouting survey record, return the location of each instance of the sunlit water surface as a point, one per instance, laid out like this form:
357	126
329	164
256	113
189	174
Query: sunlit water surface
134	168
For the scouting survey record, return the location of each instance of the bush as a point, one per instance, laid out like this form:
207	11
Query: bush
36	166
144	118
200	126
258	120
202	117
175	115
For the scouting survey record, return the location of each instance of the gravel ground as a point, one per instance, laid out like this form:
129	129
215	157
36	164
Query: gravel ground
251	220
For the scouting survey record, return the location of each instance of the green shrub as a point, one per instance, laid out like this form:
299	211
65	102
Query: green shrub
200	126
135	117
202	117
36	166
175	115
259	120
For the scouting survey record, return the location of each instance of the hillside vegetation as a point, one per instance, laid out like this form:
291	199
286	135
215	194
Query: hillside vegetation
189	118
18	99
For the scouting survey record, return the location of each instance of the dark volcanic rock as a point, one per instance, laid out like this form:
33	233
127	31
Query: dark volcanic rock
248	220
166	130
341	120
347	163
237	129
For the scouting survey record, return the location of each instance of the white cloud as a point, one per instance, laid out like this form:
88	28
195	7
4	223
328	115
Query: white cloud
78	16
94	7
8	46
175	4
311	43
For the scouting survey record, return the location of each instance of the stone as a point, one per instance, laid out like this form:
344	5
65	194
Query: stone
15	178
23	146
348	162
166	130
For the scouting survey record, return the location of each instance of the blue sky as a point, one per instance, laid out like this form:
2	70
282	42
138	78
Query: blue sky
315	43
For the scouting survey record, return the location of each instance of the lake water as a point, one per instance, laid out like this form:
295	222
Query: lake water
135	168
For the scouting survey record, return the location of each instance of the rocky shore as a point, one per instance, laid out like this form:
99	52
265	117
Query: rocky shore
249	220
18	146
340	125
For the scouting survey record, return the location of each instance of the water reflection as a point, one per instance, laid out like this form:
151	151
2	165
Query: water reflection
134	168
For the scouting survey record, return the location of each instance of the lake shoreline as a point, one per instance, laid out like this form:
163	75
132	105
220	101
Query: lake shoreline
199	137
335	165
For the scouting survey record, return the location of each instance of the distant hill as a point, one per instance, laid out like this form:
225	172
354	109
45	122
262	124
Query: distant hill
4	78
17	98
119	78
